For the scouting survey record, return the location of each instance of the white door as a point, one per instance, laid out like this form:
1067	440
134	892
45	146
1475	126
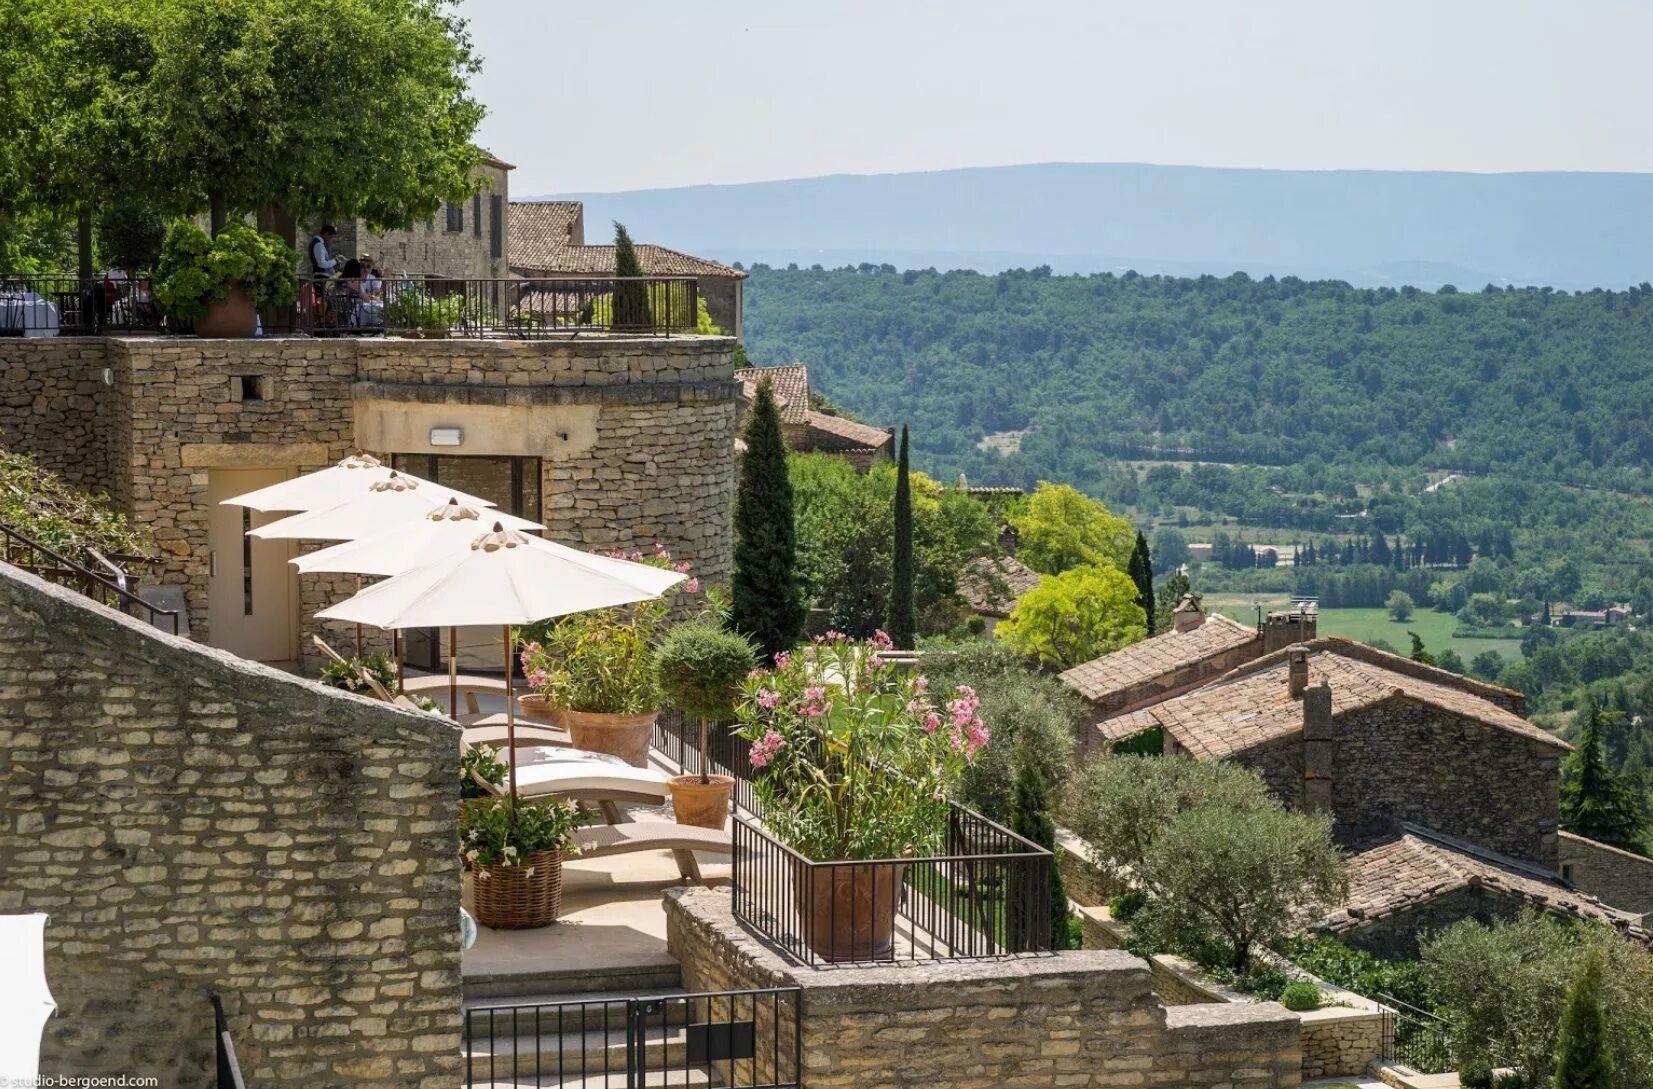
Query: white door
250	598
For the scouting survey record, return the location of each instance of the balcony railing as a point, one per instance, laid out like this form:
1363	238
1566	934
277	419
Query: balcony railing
516	309
35	306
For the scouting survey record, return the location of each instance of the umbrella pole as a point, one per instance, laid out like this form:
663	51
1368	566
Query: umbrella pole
396	649
510	718
358	626
453	673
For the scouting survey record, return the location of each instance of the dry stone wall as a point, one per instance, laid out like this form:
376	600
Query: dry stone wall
193	823
1086	1018
54	404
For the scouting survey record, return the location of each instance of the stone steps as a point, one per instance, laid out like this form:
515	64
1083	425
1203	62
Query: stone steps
569	983
561	1012
572	1056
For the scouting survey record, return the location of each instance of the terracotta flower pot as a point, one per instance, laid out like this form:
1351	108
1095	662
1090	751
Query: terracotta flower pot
519	897
230	317
848	909
534	705
625	736
704	805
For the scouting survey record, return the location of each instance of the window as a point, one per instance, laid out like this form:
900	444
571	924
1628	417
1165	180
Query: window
456	217
476	215
496	239
1568	873
250	388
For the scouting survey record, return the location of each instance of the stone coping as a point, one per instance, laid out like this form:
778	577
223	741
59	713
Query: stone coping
548	390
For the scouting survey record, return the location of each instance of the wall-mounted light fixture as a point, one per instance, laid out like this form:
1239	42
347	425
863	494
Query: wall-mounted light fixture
447	436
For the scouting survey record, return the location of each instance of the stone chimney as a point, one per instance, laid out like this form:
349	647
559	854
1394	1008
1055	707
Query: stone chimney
1281	630
1319	749
1188	615
1297	672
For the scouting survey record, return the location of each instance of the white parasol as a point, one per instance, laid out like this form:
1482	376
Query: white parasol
25	1001
396	498
330	486
504	578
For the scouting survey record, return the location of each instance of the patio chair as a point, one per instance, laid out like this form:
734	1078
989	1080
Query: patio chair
368	679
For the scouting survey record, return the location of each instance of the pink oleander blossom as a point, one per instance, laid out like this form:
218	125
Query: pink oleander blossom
815	702
783	659
932	722
768	699
693	586
881	640
765	748
976	739
921	684
682	567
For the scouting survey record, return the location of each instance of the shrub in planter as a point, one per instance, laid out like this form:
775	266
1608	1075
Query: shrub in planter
480	762
515	854
197	276
412	309
1300	997
699	668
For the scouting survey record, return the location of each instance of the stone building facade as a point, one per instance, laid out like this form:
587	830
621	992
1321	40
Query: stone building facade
1618	877
466	240
1079	1018
614	443
194	824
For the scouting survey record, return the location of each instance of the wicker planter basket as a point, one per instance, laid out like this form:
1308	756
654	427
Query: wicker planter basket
519	897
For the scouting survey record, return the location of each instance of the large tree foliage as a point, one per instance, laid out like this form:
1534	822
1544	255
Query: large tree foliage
902	625
1595	802
767	605
1081	614
1059	528
325	107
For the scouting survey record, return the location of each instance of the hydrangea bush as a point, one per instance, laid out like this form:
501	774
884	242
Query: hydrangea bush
856	756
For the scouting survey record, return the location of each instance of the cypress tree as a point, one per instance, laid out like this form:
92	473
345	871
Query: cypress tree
1031	819
767	603
902	622
1596	803
630	301
1141	570
1582	1058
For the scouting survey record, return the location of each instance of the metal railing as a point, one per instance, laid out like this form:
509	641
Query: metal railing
739	1039
437	307
677	738
34	306
116	591
984	893
1415	1038
229	1067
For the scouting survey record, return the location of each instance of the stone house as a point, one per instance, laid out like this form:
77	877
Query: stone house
805	429
547	242
991	585
466	240
610	441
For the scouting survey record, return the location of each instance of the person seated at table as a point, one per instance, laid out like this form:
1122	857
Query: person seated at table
372	284
364	292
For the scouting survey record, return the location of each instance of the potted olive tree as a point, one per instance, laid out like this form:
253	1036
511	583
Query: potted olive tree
699	668
220	283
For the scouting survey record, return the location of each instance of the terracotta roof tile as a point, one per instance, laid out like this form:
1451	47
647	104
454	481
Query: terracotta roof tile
1250	706
990	585
539	229
1157	656
1419	864
838	435
790	384
542	242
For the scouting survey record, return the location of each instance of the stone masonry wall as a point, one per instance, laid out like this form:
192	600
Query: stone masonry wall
1404	761
1084	1018
54	404
193	823
1618	878
430	249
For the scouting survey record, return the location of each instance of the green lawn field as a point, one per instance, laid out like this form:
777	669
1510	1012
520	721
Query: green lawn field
1374	625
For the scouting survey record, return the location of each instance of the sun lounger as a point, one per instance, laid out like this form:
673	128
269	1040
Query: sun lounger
435	686
491	730
681	840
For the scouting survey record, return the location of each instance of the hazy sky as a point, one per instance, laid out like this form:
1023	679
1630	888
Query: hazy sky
632	94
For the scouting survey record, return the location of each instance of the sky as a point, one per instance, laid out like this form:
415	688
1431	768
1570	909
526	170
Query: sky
638	94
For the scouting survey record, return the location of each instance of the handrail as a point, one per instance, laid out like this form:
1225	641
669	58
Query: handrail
68	569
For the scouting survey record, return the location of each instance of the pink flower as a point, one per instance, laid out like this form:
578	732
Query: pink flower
682	567
765	748
636	557
976	739
932	722
537	678
963	708
921	684
783	659
756	674
693	586
768	698
815	702
660	551
881	640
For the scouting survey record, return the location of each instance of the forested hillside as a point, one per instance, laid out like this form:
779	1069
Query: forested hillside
1547	385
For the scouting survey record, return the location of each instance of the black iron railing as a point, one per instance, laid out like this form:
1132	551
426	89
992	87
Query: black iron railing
229	1067
984	893
439	307
1415	1038
69	306
677	738
114	589
738	1039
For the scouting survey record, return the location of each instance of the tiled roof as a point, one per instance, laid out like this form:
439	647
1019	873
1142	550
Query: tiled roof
540	229
990	585
1164	653
599	261
1419	864
838	435
1250	705
1120	727
790	384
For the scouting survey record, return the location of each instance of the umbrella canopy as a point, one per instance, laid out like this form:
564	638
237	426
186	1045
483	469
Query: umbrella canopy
329	487
397	498
437	534
25	1001
503	577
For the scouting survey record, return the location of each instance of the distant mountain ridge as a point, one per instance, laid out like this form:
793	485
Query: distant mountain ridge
1370	228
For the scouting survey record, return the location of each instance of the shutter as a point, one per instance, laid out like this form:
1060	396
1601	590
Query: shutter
476	215
496	241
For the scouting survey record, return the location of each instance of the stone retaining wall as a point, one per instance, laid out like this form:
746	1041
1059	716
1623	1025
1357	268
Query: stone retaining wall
54	403
194	823
1084	1018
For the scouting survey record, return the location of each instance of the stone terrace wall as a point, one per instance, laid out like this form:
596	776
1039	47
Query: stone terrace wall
1617	878
1075	1019
195	823
54	404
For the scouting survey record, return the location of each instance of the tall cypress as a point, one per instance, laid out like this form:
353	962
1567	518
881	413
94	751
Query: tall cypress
902	622
1596	803
767	602
630	299
1031	819
1141	570
1582	1058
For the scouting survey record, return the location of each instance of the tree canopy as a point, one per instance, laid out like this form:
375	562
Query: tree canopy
1059	527
1070	618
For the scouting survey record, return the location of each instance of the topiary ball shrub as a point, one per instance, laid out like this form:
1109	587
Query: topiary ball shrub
1300	997
700	667
1127	904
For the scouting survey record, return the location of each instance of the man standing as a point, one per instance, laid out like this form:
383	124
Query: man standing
321	261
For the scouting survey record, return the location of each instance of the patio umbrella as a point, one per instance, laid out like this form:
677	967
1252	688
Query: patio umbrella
504	578
438	534
328	487
25	1001
365	511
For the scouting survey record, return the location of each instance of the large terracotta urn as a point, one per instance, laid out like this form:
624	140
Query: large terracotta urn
848	908
625	736
232	317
